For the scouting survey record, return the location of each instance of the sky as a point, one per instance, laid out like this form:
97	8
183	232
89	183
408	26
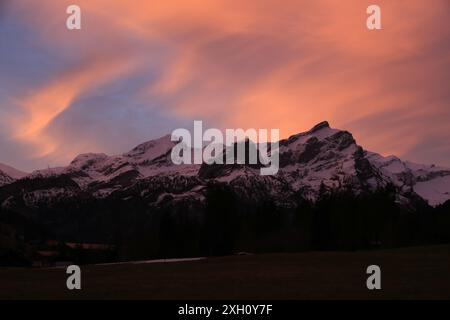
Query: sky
139	69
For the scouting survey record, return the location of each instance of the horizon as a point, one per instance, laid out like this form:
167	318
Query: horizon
135	72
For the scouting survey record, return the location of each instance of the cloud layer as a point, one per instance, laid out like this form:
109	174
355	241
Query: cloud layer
139	69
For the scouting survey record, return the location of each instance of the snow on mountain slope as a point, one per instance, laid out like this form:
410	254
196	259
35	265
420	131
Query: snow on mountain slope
153	158
435	191
146	152
12	172
9	174
5	179
430	182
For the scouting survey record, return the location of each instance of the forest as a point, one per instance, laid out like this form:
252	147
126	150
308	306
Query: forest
225	224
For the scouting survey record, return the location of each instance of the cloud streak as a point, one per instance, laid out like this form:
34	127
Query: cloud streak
44	105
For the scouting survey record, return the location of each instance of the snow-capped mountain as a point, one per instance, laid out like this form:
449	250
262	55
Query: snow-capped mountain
104	174
332	157
430	182
321	158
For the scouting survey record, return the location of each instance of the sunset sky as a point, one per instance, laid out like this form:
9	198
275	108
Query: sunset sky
139	69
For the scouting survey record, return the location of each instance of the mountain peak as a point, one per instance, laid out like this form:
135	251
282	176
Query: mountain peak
151	149
87	159
320	126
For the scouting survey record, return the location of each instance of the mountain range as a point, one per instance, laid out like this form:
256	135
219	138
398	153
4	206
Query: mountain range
322	157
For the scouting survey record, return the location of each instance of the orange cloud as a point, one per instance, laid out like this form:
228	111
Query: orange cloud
44	104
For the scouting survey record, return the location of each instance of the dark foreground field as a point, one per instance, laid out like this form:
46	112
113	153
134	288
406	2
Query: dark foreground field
409	273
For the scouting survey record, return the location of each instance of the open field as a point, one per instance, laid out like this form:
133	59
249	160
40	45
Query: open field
408	273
